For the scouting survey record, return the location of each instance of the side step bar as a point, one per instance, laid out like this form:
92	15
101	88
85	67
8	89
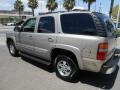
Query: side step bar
35	58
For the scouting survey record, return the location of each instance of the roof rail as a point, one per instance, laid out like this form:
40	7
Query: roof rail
78	10
51	12
60	12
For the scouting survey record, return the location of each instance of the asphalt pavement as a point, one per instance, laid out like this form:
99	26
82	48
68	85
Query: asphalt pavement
24	74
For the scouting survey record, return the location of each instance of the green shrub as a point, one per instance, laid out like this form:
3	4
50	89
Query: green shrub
118	32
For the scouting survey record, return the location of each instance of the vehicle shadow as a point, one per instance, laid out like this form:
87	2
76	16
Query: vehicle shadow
94	79
39	65
98	80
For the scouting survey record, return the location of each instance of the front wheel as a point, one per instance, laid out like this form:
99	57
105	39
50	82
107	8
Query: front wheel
66	68
13	51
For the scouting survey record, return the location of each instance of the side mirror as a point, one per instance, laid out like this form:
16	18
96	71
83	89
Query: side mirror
17	29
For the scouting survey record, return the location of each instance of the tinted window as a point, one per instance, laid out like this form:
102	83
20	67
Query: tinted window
107	23
46	25
29	25
119	25
78	24
19	23
116	25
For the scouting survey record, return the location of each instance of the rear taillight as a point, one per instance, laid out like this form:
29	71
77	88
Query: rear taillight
102	51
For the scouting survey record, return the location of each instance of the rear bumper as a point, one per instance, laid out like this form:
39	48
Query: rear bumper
111	65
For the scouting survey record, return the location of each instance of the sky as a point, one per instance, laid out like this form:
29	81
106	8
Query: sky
105	5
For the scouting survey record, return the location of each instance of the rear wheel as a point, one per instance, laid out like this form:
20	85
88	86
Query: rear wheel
66	68
13	51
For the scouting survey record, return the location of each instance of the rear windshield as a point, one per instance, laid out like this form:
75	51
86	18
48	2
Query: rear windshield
107	23
78	24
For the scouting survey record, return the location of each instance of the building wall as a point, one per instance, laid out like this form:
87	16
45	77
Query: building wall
12	16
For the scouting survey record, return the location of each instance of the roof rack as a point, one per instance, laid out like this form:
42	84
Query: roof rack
60	12
78	10
51	12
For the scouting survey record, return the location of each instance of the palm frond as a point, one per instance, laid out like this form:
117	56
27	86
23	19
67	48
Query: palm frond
69	4
51	5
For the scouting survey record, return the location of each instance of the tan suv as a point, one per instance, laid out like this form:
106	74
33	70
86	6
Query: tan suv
69	41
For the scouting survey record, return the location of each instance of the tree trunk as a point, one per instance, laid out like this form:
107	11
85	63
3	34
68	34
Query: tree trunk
33	12
68	10
19	14
111	7
89	4
51	11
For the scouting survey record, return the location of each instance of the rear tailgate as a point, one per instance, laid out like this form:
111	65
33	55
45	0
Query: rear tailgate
109	33
112	42
111	37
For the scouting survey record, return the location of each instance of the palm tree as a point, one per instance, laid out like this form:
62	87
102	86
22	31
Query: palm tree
51	5
33	4
18	6
115	11
69	4
111	7
89	3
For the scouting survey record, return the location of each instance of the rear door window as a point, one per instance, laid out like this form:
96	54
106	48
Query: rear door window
78	24
46	25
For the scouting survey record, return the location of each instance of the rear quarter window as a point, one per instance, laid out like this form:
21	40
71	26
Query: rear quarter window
78	23
107	23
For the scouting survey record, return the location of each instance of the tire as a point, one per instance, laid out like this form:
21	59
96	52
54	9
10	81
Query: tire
66	68
12	49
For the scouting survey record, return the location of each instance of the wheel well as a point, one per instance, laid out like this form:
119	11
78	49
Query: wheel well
58	51
9	39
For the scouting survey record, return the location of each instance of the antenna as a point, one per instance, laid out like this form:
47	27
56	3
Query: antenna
100	7
78	2
95	7
60	3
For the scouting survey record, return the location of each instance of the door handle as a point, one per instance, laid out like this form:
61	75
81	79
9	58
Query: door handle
50	40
